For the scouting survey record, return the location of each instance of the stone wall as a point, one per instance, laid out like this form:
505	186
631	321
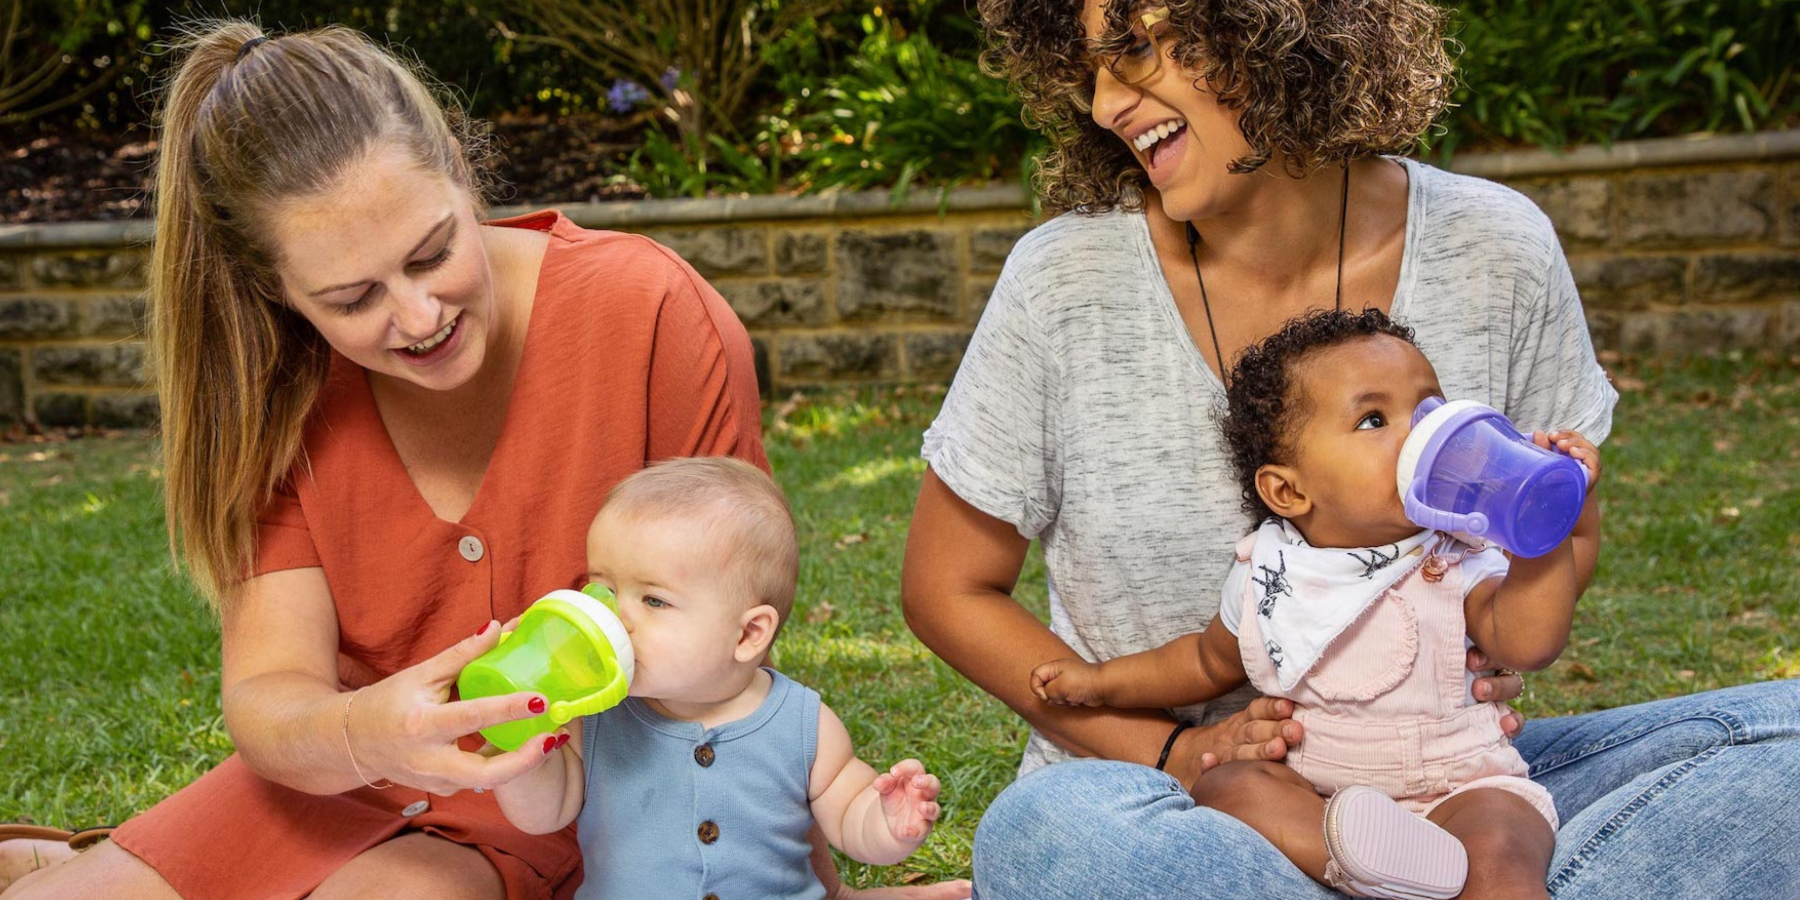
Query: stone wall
1678	246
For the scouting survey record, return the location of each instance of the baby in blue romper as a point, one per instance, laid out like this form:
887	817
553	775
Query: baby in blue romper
706	780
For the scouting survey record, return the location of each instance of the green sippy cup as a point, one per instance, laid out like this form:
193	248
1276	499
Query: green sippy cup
569	646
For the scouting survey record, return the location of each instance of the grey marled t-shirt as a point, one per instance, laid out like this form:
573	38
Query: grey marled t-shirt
1084	415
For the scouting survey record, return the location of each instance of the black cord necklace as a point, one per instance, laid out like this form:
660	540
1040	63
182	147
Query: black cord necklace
1193	236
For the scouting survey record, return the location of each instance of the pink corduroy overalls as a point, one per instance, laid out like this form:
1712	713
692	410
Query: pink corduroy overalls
1385	705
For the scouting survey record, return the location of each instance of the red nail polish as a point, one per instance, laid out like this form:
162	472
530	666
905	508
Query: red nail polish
536	705
484	628
561	740
550	744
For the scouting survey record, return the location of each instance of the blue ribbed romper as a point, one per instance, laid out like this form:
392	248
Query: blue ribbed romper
675	810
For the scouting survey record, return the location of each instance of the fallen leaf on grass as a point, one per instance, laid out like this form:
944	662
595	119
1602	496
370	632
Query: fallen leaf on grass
1726	516
820	613
1685	674
1626	383
1583	671
1750	616
912	878
1721	446
849	539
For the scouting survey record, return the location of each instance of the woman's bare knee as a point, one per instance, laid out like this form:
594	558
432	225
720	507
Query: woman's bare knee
414	865
105	872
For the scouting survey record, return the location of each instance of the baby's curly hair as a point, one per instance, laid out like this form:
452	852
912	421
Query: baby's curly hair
1320	82
1262	410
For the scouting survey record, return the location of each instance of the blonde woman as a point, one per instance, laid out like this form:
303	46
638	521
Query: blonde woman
386	424
1223	167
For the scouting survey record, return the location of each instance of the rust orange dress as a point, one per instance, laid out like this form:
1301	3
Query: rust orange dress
630	357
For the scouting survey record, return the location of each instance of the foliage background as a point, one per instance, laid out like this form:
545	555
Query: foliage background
887	93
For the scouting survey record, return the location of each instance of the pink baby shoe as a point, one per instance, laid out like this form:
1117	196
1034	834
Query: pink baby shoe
1376	848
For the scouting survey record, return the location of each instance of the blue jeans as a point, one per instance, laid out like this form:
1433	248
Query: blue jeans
1689	798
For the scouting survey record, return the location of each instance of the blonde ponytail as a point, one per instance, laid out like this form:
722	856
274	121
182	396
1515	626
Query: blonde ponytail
237	371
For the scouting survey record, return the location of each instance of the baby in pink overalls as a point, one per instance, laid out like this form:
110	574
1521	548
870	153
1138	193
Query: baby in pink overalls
1364	620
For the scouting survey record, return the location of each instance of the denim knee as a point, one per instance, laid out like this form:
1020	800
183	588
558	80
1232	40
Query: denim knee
1089	828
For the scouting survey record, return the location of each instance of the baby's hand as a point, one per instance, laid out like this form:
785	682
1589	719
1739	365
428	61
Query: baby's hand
1068	682
1576	447
908	800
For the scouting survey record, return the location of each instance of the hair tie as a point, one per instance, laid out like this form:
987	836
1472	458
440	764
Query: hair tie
250	45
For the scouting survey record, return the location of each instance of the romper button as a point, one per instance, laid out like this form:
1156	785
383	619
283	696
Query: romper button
709	832
470	548
703	755
710	897
416	807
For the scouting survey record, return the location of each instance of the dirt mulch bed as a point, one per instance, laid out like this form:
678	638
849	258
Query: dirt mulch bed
64	174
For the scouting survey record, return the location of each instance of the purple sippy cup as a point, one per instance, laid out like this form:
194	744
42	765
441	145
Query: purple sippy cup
1465	468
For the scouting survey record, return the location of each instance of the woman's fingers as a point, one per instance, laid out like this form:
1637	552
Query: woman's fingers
1492	688
1271	708
1271	718
455	719
1512	723
441	670
487	773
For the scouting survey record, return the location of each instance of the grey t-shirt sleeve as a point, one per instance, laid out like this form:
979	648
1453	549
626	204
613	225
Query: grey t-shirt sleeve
994	441
1554	380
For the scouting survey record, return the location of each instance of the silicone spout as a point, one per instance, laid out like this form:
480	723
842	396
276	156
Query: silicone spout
603	594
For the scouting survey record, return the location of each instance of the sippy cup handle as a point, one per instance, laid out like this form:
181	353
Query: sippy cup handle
1439	520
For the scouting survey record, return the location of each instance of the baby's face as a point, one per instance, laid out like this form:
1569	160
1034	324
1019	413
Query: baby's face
1359	399
676	599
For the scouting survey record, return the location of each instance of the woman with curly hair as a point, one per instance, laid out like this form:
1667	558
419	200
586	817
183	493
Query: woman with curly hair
1221	168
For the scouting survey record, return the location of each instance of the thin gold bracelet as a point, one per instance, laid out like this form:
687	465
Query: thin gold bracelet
352	753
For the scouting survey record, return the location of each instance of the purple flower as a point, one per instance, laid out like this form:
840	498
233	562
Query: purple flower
625	95
669	79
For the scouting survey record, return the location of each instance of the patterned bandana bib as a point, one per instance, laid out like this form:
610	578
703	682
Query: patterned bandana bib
1307	596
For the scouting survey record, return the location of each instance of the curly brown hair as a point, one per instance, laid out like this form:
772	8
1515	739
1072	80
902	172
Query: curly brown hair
1319	82
1262	411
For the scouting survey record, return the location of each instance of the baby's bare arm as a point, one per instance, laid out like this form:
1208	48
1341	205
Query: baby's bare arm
548	797
1522	621
850	809
1190	669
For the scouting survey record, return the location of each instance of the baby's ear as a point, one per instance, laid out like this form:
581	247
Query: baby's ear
1281	491
759	624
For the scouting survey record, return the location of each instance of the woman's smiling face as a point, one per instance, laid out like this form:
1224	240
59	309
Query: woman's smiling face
1179	132
390	266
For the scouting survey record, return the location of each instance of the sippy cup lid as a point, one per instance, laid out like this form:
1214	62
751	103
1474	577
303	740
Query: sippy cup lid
594	609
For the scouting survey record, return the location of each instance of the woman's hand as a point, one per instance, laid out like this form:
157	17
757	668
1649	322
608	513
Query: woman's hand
1497	688
1263	730
405	729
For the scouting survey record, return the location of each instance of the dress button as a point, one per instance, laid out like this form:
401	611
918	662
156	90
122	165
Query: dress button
471	549
710	897
703	755
416	807
709	832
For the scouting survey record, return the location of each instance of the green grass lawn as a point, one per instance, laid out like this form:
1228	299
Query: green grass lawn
109	695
